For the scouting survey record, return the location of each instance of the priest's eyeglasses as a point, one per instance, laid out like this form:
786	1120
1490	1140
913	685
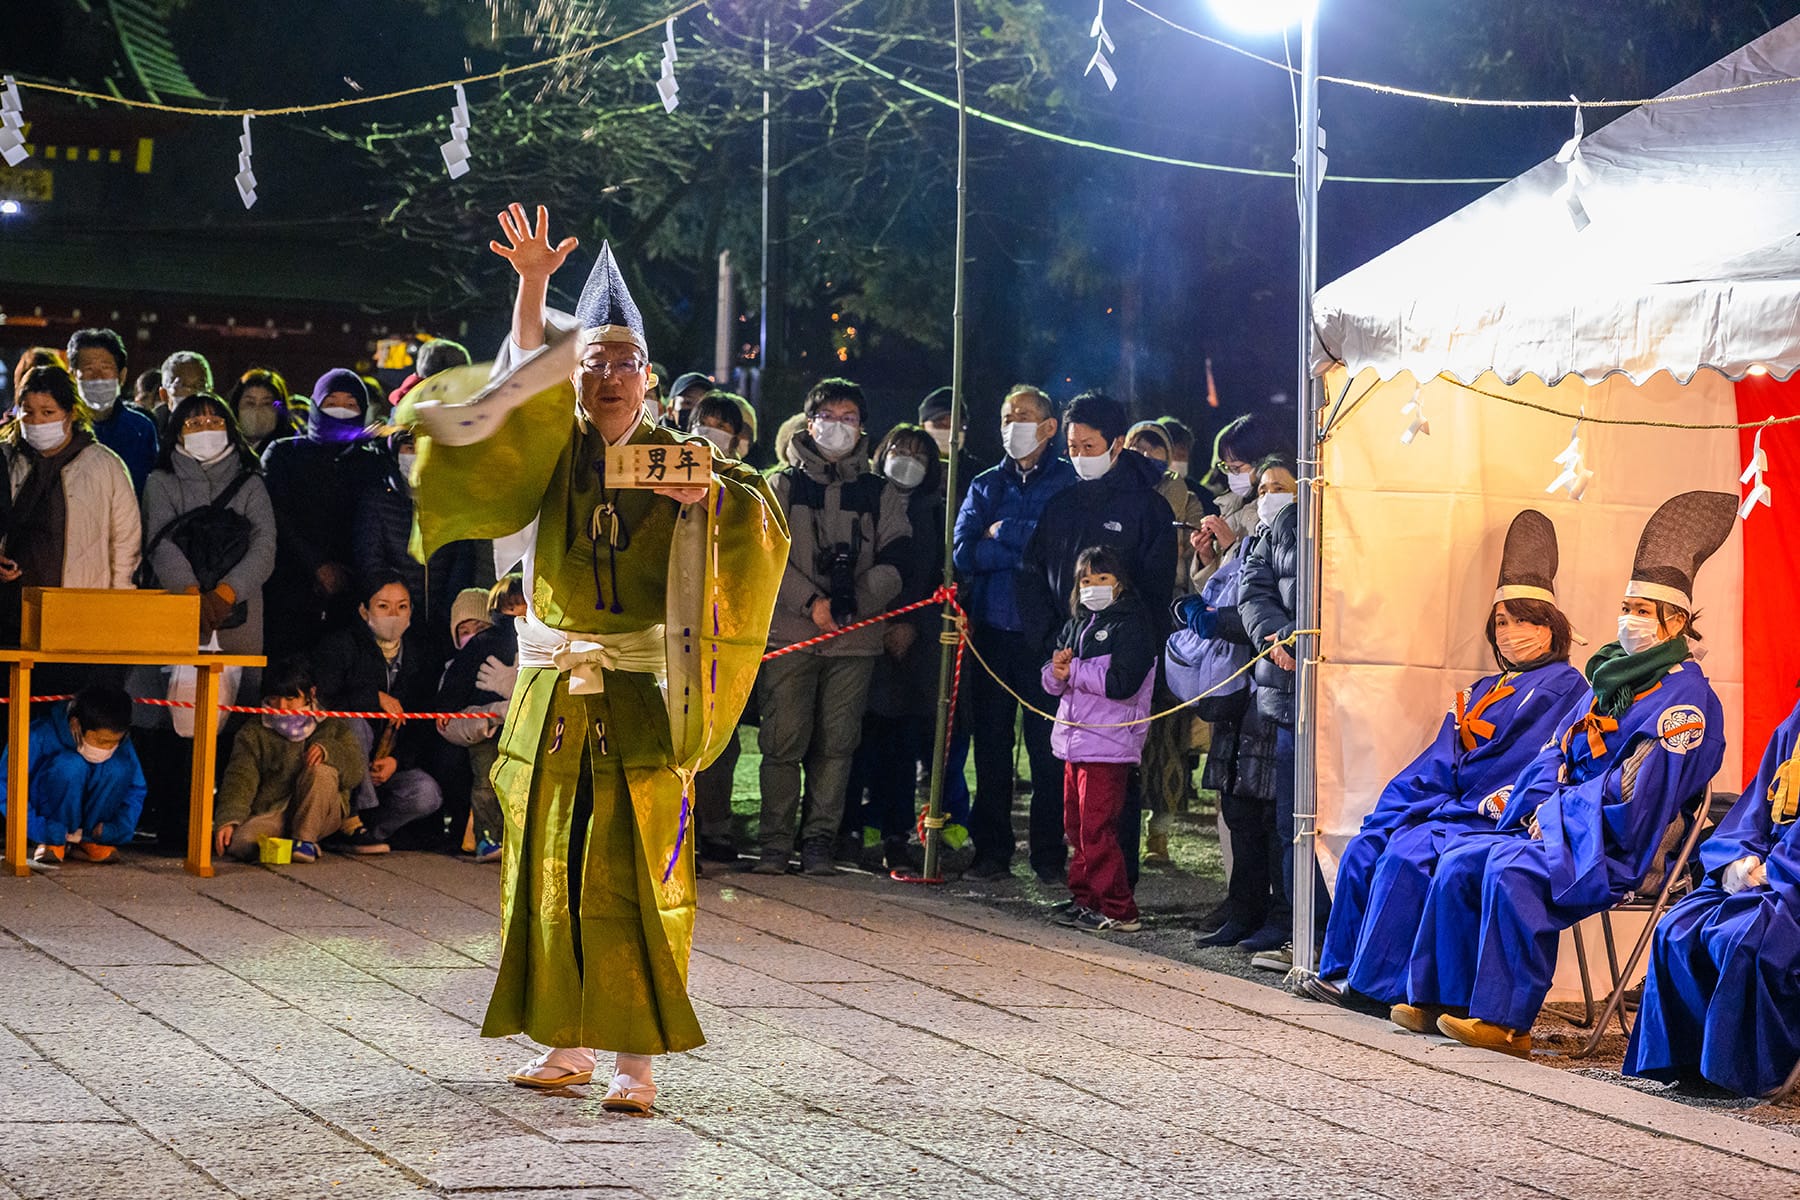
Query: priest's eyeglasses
612	366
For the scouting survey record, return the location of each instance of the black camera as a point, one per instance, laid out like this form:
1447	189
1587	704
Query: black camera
837	564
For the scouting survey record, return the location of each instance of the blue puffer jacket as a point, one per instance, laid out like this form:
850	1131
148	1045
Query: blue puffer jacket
989	568
1110	681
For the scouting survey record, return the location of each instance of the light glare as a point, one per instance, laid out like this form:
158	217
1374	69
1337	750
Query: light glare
1262	16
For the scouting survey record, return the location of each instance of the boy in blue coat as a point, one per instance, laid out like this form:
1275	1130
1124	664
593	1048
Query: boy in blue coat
86	789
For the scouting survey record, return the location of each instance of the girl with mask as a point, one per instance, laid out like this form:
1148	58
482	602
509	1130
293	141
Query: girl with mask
74	516
1587	820
1103	670
290	774
315	481
1460	784
264	412
902	713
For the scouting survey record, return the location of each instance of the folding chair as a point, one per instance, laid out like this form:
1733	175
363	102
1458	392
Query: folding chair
1684	832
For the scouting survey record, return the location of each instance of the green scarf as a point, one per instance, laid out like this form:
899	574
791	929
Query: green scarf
1618	677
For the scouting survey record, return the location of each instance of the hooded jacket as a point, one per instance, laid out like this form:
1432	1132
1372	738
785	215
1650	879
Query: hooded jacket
1110	681
1122	509
830	505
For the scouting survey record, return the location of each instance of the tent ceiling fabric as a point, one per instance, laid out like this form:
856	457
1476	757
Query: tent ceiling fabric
1691	262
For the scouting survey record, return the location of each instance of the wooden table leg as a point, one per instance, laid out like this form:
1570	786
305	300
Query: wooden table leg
206	741
18	735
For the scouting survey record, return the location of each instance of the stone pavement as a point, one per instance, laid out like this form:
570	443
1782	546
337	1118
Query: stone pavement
312	1031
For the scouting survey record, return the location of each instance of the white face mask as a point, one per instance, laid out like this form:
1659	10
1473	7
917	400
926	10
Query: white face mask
1092	466
1269	507
47	436
406	459
1239	482
206	445
1020	438
99	394
1521	644
904	470
94	754
941	437
1637	633
340	413
835	438
720	438
1095	597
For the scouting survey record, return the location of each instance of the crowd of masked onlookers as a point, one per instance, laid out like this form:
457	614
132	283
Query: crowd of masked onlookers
289	515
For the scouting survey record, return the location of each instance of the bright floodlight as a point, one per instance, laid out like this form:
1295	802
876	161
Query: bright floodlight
8	208
1262	16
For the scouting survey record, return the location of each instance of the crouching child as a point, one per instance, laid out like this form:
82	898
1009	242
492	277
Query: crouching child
1104	671
86	786
289	775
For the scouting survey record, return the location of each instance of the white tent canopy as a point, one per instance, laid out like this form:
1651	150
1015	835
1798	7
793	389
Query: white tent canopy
1692	258
1501	312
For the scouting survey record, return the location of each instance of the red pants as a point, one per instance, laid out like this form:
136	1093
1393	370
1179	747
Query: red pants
1093	798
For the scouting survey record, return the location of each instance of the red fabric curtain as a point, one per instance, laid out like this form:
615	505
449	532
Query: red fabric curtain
1771	608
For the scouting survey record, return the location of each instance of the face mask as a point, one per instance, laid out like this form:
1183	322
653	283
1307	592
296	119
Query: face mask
1637	634
295	727
941	437
340	413
99	394
1269	507
1020	438
1521	644
720	438
1091	466
206	445
257	422
835	438
1095	597
389	629
904	470
47	436
406	459
1239	482
94	754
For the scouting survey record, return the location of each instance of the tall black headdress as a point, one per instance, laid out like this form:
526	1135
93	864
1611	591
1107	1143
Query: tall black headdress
1682	534
1528	563
606	310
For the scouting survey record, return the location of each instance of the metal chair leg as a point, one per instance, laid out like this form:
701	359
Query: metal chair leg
1587	986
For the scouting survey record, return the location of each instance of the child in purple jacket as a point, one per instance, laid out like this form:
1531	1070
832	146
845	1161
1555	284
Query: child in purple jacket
1104	670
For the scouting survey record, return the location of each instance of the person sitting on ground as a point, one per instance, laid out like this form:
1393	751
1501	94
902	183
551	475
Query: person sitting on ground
1103	668
507	597
97	358
1461	781
1588	820
378	665
290	774
480	678
86	789
1722	996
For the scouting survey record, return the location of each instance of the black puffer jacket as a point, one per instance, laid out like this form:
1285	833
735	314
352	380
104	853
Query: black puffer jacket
1266	602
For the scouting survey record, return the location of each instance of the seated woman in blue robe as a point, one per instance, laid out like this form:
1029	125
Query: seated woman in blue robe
1587	819
1460	783
1722	999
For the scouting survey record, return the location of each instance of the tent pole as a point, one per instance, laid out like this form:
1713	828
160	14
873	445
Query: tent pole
1306	652
940	746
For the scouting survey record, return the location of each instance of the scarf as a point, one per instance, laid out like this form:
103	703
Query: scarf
1618	677
321	427
40	514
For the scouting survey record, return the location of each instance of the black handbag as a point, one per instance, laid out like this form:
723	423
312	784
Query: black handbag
214	539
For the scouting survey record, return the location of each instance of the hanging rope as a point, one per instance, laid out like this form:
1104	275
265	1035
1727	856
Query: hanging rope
1636	422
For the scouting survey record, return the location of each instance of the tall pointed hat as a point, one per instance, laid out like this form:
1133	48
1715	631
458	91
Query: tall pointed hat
1528	563
606	310
1682	534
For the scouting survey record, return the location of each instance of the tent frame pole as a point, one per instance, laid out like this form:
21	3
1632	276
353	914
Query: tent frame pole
1306	651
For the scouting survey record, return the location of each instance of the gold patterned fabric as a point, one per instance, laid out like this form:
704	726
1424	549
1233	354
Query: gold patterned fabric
598	886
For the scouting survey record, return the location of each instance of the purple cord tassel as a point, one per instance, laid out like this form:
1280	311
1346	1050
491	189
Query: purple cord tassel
680	834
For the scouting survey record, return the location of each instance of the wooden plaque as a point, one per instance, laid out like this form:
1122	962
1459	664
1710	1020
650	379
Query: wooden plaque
682	465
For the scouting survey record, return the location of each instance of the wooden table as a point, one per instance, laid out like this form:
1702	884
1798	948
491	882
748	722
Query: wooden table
206	735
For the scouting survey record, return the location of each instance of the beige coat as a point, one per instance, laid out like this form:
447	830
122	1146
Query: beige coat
104	535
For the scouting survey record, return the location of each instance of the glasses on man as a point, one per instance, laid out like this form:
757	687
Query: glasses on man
612	366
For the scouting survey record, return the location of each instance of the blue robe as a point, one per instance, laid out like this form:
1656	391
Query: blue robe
1485	741
1722	998
1488	936
69	793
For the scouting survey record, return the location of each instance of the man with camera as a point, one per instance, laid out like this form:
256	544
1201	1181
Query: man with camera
849	531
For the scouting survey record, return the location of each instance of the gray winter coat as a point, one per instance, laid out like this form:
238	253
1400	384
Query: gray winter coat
830	504
190	485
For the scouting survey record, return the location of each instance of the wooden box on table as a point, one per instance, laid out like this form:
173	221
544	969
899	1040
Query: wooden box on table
102	621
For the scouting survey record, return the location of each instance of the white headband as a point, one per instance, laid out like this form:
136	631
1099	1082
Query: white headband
1640	590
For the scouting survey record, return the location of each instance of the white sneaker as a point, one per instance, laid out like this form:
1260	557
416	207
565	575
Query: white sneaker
627	1095
556	1068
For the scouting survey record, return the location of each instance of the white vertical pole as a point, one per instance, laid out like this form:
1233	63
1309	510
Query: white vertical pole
724	316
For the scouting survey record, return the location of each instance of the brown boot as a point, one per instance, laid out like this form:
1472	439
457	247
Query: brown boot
93	851
1416	1018
1156	851
1485	1035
